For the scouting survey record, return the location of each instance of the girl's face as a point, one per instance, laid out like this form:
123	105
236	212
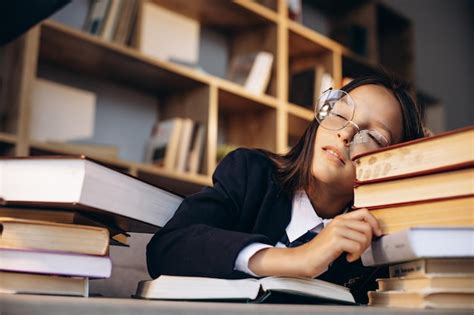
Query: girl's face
376	108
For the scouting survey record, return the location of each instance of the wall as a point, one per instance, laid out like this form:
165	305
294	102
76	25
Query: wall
444	49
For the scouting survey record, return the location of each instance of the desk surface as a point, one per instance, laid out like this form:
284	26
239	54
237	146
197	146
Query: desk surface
51	305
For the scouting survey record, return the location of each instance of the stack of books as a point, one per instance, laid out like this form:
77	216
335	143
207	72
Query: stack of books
58	216
422	194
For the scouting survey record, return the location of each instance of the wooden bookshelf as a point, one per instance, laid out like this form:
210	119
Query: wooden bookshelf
228	110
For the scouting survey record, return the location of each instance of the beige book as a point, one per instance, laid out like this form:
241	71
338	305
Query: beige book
461	282
425	155
455	299
429	267
49	236
449	212
117	235
434	186
27	283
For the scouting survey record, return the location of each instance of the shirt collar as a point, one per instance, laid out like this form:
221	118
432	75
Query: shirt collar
303	217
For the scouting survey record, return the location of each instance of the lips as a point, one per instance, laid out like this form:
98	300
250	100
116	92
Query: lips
335	153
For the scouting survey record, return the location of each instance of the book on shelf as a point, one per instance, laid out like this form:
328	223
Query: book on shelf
117	236
265	290
78	183
457	211
162	148
443	299
450	150
111	19
196	151
420	242
49	236
125	22
435	186
422	268
96	16
55	263
460	282
184	144
158	25
60	112
27	283
252	71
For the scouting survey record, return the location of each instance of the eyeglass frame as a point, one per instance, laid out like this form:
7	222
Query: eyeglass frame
349	121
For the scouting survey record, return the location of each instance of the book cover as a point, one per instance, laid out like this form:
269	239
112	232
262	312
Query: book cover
422	268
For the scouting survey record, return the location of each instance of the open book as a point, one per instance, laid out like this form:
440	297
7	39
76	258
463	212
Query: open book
266	290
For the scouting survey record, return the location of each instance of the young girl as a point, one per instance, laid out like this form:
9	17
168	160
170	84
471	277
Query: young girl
287	215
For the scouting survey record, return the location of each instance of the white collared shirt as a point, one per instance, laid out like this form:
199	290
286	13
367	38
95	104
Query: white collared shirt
303	219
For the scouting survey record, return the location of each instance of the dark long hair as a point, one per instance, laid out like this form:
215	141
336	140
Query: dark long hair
294	168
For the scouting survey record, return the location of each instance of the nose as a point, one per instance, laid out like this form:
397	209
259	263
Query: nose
347	133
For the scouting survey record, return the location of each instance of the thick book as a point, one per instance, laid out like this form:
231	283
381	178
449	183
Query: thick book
448	212
27	283
436	186
269	290
449	150
432	267
81	184
452	299
420	242
117	236
461	282
55	263
50	236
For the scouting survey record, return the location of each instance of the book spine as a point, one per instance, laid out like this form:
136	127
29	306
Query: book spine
411	269
389	249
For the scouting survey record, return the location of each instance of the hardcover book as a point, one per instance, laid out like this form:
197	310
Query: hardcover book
50	236
81	184
449	150
420	242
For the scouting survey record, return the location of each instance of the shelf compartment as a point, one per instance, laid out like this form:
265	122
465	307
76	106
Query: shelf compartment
245	122
226	15
83	53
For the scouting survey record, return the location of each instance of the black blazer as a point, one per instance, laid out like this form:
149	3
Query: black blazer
245	205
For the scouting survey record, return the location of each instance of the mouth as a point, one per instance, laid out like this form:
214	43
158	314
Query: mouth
332	151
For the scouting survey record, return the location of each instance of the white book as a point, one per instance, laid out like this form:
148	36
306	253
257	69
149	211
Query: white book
111	19
259	76
79	183
60	112
55	263
162	148
421	242
260	290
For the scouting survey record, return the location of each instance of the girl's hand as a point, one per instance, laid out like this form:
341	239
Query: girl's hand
351	233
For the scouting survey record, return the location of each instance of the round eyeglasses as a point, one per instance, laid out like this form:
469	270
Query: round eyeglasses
334	110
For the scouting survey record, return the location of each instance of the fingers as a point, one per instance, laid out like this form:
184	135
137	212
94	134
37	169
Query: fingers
364	215
352	248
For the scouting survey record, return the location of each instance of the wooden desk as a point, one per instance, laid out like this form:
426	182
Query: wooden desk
51	305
